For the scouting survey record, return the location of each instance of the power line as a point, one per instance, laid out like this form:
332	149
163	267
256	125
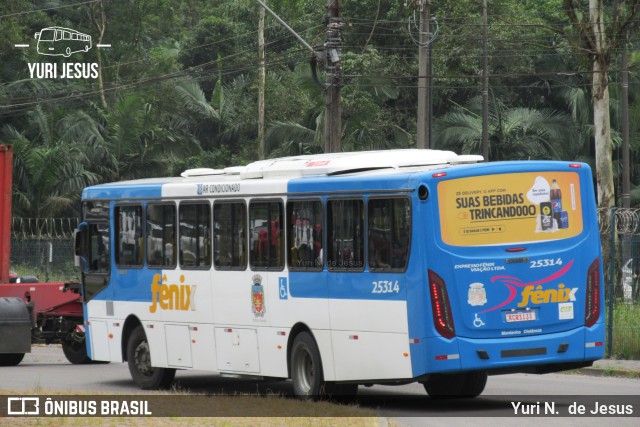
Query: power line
47	8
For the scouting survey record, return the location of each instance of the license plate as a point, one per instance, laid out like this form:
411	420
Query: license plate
520	316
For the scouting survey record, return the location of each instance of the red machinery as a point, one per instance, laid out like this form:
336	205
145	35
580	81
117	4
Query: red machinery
29	310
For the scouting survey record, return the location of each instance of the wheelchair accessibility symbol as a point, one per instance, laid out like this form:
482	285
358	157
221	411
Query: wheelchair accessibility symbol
477	322
283	291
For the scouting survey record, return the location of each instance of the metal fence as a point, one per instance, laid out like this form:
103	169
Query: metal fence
620	239
44	248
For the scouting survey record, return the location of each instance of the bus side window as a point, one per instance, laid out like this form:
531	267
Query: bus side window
229	242
161	235
389	226
128	233
195	235
304	249
266	244
98	257
345	234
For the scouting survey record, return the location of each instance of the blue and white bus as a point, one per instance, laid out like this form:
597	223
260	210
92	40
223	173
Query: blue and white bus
339	270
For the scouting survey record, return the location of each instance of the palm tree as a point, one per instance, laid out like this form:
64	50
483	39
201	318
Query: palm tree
51	165
514	133
365	120
146	136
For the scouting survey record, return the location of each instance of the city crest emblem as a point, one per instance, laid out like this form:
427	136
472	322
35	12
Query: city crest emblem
477	294
257	296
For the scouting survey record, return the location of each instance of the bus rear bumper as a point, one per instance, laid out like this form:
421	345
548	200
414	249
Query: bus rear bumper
535	353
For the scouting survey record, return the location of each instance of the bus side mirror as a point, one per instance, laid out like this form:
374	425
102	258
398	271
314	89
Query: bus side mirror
81	243
36	35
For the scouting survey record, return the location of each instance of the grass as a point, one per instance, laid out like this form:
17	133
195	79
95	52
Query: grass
625	337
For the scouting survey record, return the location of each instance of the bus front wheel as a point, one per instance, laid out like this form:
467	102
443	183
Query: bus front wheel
144	375
467	384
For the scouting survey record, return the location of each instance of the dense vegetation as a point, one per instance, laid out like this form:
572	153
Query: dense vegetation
177	88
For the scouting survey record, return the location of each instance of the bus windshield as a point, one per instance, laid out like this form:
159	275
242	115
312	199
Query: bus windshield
47	35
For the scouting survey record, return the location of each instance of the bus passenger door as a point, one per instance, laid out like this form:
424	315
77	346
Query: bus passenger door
93	248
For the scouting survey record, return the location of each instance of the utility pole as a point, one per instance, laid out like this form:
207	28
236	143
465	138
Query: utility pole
423	137
333	107
626	173
329	55
485	84
261	82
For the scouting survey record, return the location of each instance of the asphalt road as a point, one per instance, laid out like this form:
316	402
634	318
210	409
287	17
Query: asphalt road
46	369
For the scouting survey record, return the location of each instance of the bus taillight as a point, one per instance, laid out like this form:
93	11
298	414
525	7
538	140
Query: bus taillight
592	303
442	317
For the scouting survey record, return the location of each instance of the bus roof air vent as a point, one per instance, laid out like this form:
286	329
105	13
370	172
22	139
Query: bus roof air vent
234	170
201	172
352	162
467	158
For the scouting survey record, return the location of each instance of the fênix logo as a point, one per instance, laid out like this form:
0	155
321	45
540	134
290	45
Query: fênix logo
60	41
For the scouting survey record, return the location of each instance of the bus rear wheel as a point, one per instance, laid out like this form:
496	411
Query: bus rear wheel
144	375
307	374
306	367
467	384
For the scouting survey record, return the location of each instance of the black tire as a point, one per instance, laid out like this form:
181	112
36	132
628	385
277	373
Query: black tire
340	393
474	383
306	368
468	384
11	359
75	352
139	359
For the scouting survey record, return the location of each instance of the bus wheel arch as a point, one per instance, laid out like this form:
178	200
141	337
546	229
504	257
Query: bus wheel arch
129	325
144	374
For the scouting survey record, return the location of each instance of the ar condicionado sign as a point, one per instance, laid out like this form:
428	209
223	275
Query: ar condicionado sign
510	208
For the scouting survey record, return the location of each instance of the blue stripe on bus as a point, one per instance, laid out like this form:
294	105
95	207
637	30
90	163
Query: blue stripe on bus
129	284
347	285
365	184
123	191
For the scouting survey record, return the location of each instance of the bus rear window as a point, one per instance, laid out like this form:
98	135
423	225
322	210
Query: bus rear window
510	208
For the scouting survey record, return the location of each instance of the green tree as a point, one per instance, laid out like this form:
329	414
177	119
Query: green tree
515	133
599	30
147	135
50	163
